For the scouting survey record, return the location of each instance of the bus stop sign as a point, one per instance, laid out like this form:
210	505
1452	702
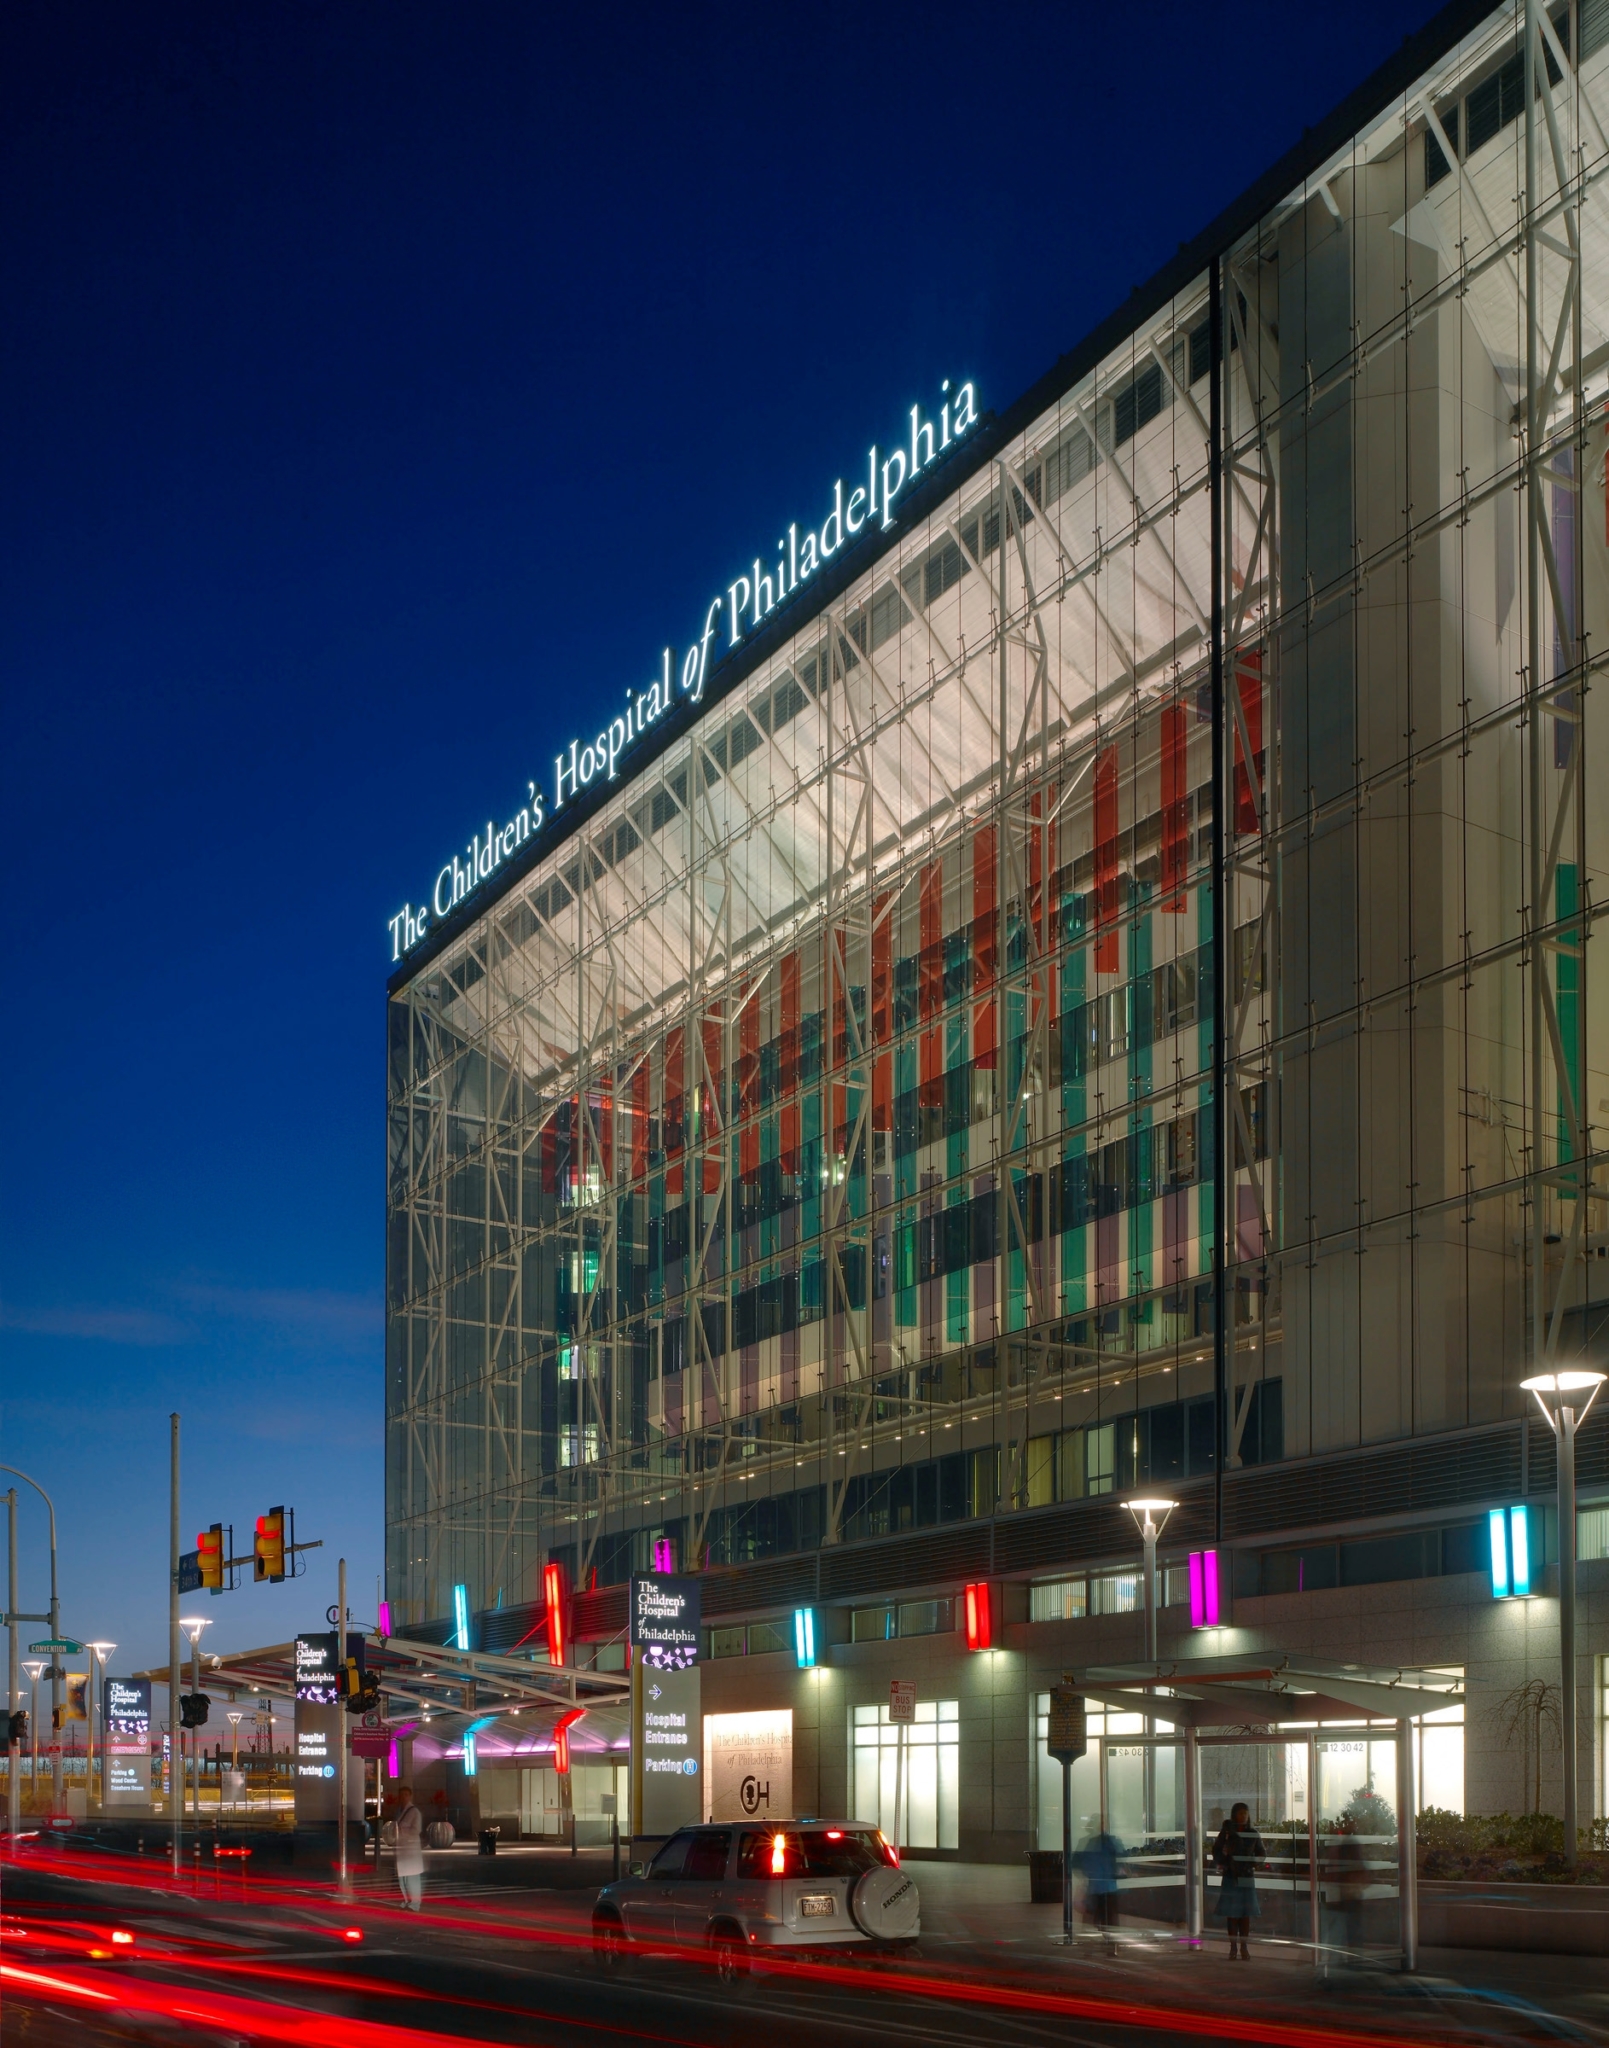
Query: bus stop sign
1068	1735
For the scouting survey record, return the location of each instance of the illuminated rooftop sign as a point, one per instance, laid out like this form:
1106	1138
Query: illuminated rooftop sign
729	619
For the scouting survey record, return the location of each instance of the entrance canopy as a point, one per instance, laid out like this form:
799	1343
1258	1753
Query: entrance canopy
450	1686
1259	1690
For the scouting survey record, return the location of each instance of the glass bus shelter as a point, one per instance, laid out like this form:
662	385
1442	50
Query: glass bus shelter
1321	1752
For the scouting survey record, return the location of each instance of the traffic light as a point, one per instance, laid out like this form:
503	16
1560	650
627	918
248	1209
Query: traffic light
210	1554
193	1709
354	1686
357	1689
17	1726
268	1560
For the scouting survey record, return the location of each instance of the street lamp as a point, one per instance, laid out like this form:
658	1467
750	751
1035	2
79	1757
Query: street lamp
1564	1398
55	1636
1145	1512
234	1717
192	1628
98	1653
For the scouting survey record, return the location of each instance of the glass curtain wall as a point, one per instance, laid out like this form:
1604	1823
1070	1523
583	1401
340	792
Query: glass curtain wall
836	1136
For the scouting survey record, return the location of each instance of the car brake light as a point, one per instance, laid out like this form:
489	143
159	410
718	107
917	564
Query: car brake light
352	1934
121	1939
835	1834
779	1855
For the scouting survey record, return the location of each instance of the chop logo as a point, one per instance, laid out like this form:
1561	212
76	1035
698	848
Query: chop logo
754	1795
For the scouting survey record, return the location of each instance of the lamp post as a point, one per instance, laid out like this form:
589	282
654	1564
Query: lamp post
1145	1512
192	1628
234	1717
34	1667
1564	1398
98	1654
55	1633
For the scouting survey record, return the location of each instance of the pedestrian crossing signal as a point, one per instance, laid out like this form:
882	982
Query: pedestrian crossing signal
268	1550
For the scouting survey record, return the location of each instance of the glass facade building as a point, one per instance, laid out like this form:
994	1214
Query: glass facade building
1098	992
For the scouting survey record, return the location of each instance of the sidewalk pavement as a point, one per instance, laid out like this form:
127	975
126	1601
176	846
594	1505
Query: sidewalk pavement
977	1922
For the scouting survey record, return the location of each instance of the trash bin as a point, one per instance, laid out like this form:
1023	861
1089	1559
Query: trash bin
488	1841
1044	1876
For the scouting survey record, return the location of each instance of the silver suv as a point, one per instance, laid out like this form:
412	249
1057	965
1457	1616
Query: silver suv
735	1893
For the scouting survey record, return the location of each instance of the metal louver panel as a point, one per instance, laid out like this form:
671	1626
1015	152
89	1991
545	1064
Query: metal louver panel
1398	1479
906	1564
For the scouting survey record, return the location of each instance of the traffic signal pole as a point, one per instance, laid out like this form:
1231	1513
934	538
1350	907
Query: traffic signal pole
56	1672
13	1746
340	1733
175	1794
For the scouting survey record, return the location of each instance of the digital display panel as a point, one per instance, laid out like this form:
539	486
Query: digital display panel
665	1615
316	1661
126	1707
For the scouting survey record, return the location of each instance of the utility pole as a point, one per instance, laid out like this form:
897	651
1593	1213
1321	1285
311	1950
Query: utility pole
175	1795
13	1746
340	1727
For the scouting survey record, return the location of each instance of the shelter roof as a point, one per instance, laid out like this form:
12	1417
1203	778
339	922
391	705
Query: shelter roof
457	1685
1263	1689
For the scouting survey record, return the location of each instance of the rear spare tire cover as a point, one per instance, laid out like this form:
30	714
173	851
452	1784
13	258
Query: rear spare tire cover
886	1904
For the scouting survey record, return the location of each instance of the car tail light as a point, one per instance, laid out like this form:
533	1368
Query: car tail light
779	1855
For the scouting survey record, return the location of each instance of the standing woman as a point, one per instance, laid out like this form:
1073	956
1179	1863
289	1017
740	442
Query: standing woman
1237	1853
410	1850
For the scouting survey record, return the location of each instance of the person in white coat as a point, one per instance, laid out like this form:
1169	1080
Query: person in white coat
410	1850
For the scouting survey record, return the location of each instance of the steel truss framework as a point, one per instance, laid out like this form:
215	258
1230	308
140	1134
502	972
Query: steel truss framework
1251	686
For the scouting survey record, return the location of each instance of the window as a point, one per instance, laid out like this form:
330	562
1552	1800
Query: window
669	1861
1436	164
910	1618
1115	1593
1100	1458
871	1624
820	1852
931	1814
1125	1779
707	1855
1592	1534
1137	403
768	1635
1200	350
1058	1600
926	1617
726	1642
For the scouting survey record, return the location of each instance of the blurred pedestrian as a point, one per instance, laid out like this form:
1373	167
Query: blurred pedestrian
410	1850
1097	1859
1236	1854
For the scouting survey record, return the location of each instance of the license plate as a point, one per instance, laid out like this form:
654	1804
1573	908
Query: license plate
820	1907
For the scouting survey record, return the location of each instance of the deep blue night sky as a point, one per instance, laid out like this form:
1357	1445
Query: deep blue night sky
383	385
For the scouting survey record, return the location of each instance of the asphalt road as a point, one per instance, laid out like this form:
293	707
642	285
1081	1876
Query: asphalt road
283	1962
